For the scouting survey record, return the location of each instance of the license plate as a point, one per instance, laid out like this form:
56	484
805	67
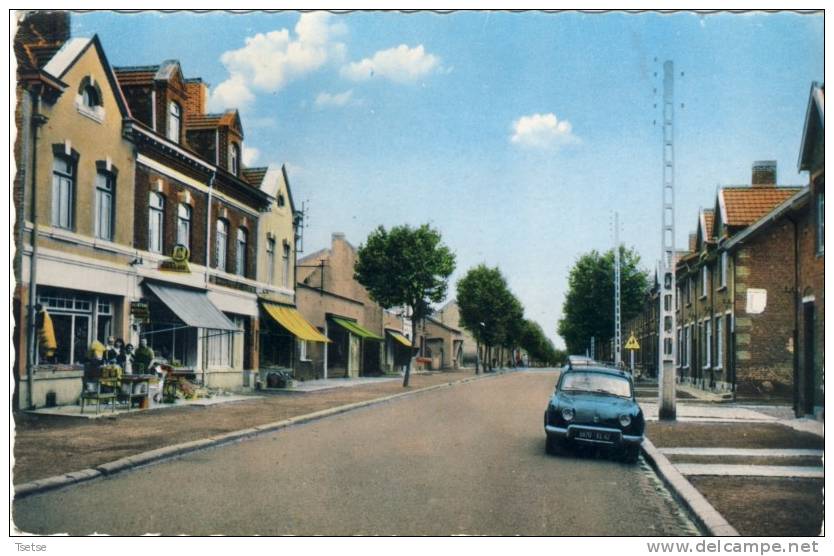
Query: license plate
597	436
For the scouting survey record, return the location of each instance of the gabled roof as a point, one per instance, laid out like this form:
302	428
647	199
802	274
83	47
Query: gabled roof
65	57
136	75
229	118
35	55
794	201
706	220
814	123
741	206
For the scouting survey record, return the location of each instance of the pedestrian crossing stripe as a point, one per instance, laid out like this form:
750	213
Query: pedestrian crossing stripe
632	343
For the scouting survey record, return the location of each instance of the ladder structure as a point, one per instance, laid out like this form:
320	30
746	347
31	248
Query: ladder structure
666	330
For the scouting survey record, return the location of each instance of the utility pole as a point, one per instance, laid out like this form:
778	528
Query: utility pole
666	327
618	339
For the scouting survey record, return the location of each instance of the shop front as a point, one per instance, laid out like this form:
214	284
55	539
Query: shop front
398	351
355	350
286	345
187	331
67	323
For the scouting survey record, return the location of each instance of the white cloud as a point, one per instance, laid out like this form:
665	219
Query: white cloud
328	100
542	131
401	64
269	61
250	155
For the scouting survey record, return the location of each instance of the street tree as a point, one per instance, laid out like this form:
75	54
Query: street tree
488	309
588	309
405	267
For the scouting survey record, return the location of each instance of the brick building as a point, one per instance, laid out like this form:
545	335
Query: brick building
123	170
736	308
810	272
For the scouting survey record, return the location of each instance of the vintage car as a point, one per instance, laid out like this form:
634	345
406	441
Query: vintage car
594	405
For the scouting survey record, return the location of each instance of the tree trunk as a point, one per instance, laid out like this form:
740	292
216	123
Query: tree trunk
414	344
477	356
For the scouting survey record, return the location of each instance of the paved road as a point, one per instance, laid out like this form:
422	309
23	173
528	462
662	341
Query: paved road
462	460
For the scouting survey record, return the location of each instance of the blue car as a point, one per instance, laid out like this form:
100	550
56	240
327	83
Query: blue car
594	405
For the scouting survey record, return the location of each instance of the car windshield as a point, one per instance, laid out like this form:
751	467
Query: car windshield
596	382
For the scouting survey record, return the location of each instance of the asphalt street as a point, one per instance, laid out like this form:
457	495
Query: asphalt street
468	459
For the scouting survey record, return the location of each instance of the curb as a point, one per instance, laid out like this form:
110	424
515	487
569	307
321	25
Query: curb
170	452
705	514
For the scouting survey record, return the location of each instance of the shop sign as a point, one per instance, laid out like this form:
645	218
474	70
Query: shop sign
178	261
140	311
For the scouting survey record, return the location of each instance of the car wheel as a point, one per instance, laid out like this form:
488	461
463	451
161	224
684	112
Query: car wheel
631	454
554	446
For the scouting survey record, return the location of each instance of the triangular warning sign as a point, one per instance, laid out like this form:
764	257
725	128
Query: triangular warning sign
632	343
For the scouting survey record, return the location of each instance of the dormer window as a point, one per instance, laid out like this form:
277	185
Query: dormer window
234	159
174	121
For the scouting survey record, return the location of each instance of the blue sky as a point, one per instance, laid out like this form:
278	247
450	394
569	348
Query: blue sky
515	134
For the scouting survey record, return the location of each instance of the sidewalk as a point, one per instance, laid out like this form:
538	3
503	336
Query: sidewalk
49	445
757	465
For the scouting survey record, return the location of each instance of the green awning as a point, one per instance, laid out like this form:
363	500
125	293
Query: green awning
354	328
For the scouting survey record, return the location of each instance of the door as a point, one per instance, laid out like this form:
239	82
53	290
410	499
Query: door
808	356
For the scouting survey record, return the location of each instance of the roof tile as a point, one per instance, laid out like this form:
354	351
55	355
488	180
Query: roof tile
745	205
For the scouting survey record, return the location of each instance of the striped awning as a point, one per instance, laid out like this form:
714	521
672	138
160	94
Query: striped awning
192	307
292	320
354	328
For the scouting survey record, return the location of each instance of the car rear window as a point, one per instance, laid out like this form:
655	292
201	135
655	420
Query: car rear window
596	382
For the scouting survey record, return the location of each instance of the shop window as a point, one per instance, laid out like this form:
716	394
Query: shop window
105	205
184	225
156	218
174	121
219	348
63	192
302	350
77	320
221	244
240	253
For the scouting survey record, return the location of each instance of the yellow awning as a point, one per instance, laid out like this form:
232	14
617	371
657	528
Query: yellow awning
292	320
400	338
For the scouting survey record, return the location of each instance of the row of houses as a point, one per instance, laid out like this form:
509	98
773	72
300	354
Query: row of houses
750	303
138	219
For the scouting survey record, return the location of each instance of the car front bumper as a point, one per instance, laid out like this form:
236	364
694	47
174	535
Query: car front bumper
618	438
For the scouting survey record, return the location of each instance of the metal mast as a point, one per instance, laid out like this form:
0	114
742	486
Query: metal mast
666	330
618	338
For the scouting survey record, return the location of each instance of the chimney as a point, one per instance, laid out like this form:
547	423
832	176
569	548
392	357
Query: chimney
197	92
764	173
337	236
693	242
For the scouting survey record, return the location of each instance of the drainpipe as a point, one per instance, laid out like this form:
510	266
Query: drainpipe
37	120
208	264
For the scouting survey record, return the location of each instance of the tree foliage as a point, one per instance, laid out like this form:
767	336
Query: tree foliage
405	266
589	304
537	345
